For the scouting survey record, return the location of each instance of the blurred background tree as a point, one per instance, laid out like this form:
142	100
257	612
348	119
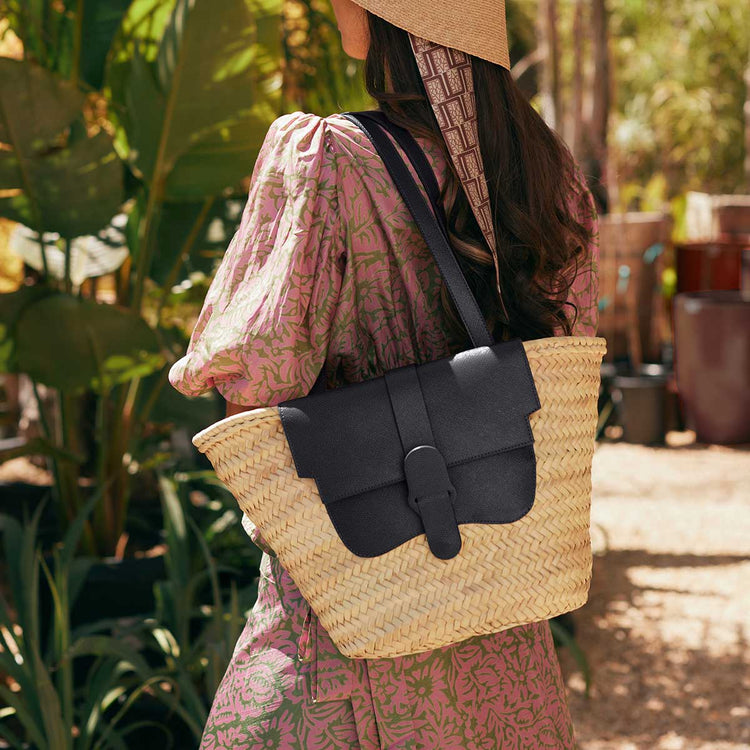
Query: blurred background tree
657	97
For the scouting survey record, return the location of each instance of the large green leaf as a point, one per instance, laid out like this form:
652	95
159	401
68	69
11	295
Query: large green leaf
195	91
59	179
67	36
99	24
11	307
72	344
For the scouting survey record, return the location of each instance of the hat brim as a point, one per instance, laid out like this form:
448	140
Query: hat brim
476	27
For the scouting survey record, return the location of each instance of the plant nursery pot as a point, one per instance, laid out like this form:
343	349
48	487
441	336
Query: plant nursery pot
672	415
712	358
641	401
118	588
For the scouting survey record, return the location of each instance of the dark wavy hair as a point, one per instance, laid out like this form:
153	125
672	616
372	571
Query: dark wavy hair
530	173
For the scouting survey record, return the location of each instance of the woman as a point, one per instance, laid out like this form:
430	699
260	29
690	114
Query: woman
328	268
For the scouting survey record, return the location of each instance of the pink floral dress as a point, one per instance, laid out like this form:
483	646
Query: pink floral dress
328	267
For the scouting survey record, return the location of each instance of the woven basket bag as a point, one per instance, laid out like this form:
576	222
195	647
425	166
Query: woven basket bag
512	425
407	600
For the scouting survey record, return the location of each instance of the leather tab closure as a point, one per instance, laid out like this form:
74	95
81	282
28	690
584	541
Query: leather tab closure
431	496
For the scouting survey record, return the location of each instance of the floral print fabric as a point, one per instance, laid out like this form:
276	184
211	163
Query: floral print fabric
328	269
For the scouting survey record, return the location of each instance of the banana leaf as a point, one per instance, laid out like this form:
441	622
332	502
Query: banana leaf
194	91
74	344
53	176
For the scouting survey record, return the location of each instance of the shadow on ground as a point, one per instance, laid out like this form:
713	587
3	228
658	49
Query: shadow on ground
668	654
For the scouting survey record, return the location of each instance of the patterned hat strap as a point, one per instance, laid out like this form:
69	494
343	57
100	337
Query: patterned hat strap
447	77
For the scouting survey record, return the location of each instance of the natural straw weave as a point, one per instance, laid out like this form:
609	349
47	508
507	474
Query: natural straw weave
476	27
408	600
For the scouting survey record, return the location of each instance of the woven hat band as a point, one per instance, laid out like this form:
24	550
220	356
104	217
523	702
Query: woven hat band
476	27
449	83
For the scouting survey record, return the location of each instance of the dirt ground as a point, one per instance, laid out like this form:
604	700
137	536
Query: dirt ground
667	626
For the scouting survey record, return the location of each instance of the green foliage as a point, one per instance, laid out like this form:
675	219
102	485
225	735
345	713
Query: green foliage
61	179
194	92
80	689
680	92
11	307
67	37
190	639
73	344
99	22
44	707
565	638
313	55
45	30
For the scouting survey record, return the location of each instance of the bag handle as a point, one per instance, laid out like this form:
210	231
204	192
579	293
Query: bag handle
433	231
416	156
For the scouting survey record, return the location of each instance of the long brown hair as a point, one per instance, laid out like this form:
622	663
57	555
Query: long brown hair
529	173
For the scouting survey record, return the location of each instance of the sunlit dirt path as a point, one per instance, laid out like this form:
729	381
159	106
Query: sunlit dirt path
667	626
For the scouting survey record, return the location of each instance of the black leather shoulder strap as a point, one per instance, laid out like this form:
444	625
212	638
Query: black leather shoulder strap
372	123
446	261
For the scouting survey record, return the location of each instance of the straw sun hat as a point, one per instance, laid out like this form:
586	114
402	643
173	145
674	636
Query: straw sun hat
473	26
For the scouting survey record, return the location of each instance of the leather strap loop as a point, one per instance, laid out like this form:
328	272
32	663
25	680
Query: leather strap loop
409	409
439	520
431	493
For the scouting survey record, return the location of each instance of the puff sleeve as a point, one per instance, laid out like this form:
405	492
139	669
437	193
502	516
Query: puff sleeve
262	334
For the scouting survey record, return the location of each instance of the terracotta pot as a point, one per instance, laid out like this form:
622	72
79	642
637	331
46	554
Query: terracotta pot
712	362
733	214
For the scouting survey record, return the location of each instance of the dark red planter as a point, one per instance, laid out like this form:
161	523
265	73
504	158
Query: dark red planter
712	363
709	265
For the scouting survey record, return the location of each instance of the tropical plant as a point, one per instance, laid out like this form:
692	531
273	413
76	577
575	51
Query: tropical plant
68	37
188	94
186	151
58	178
48	705
192	93
197	621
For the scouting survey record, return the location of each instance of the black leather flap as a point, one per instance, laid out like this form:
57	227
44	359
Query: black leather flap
426	448
477	401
